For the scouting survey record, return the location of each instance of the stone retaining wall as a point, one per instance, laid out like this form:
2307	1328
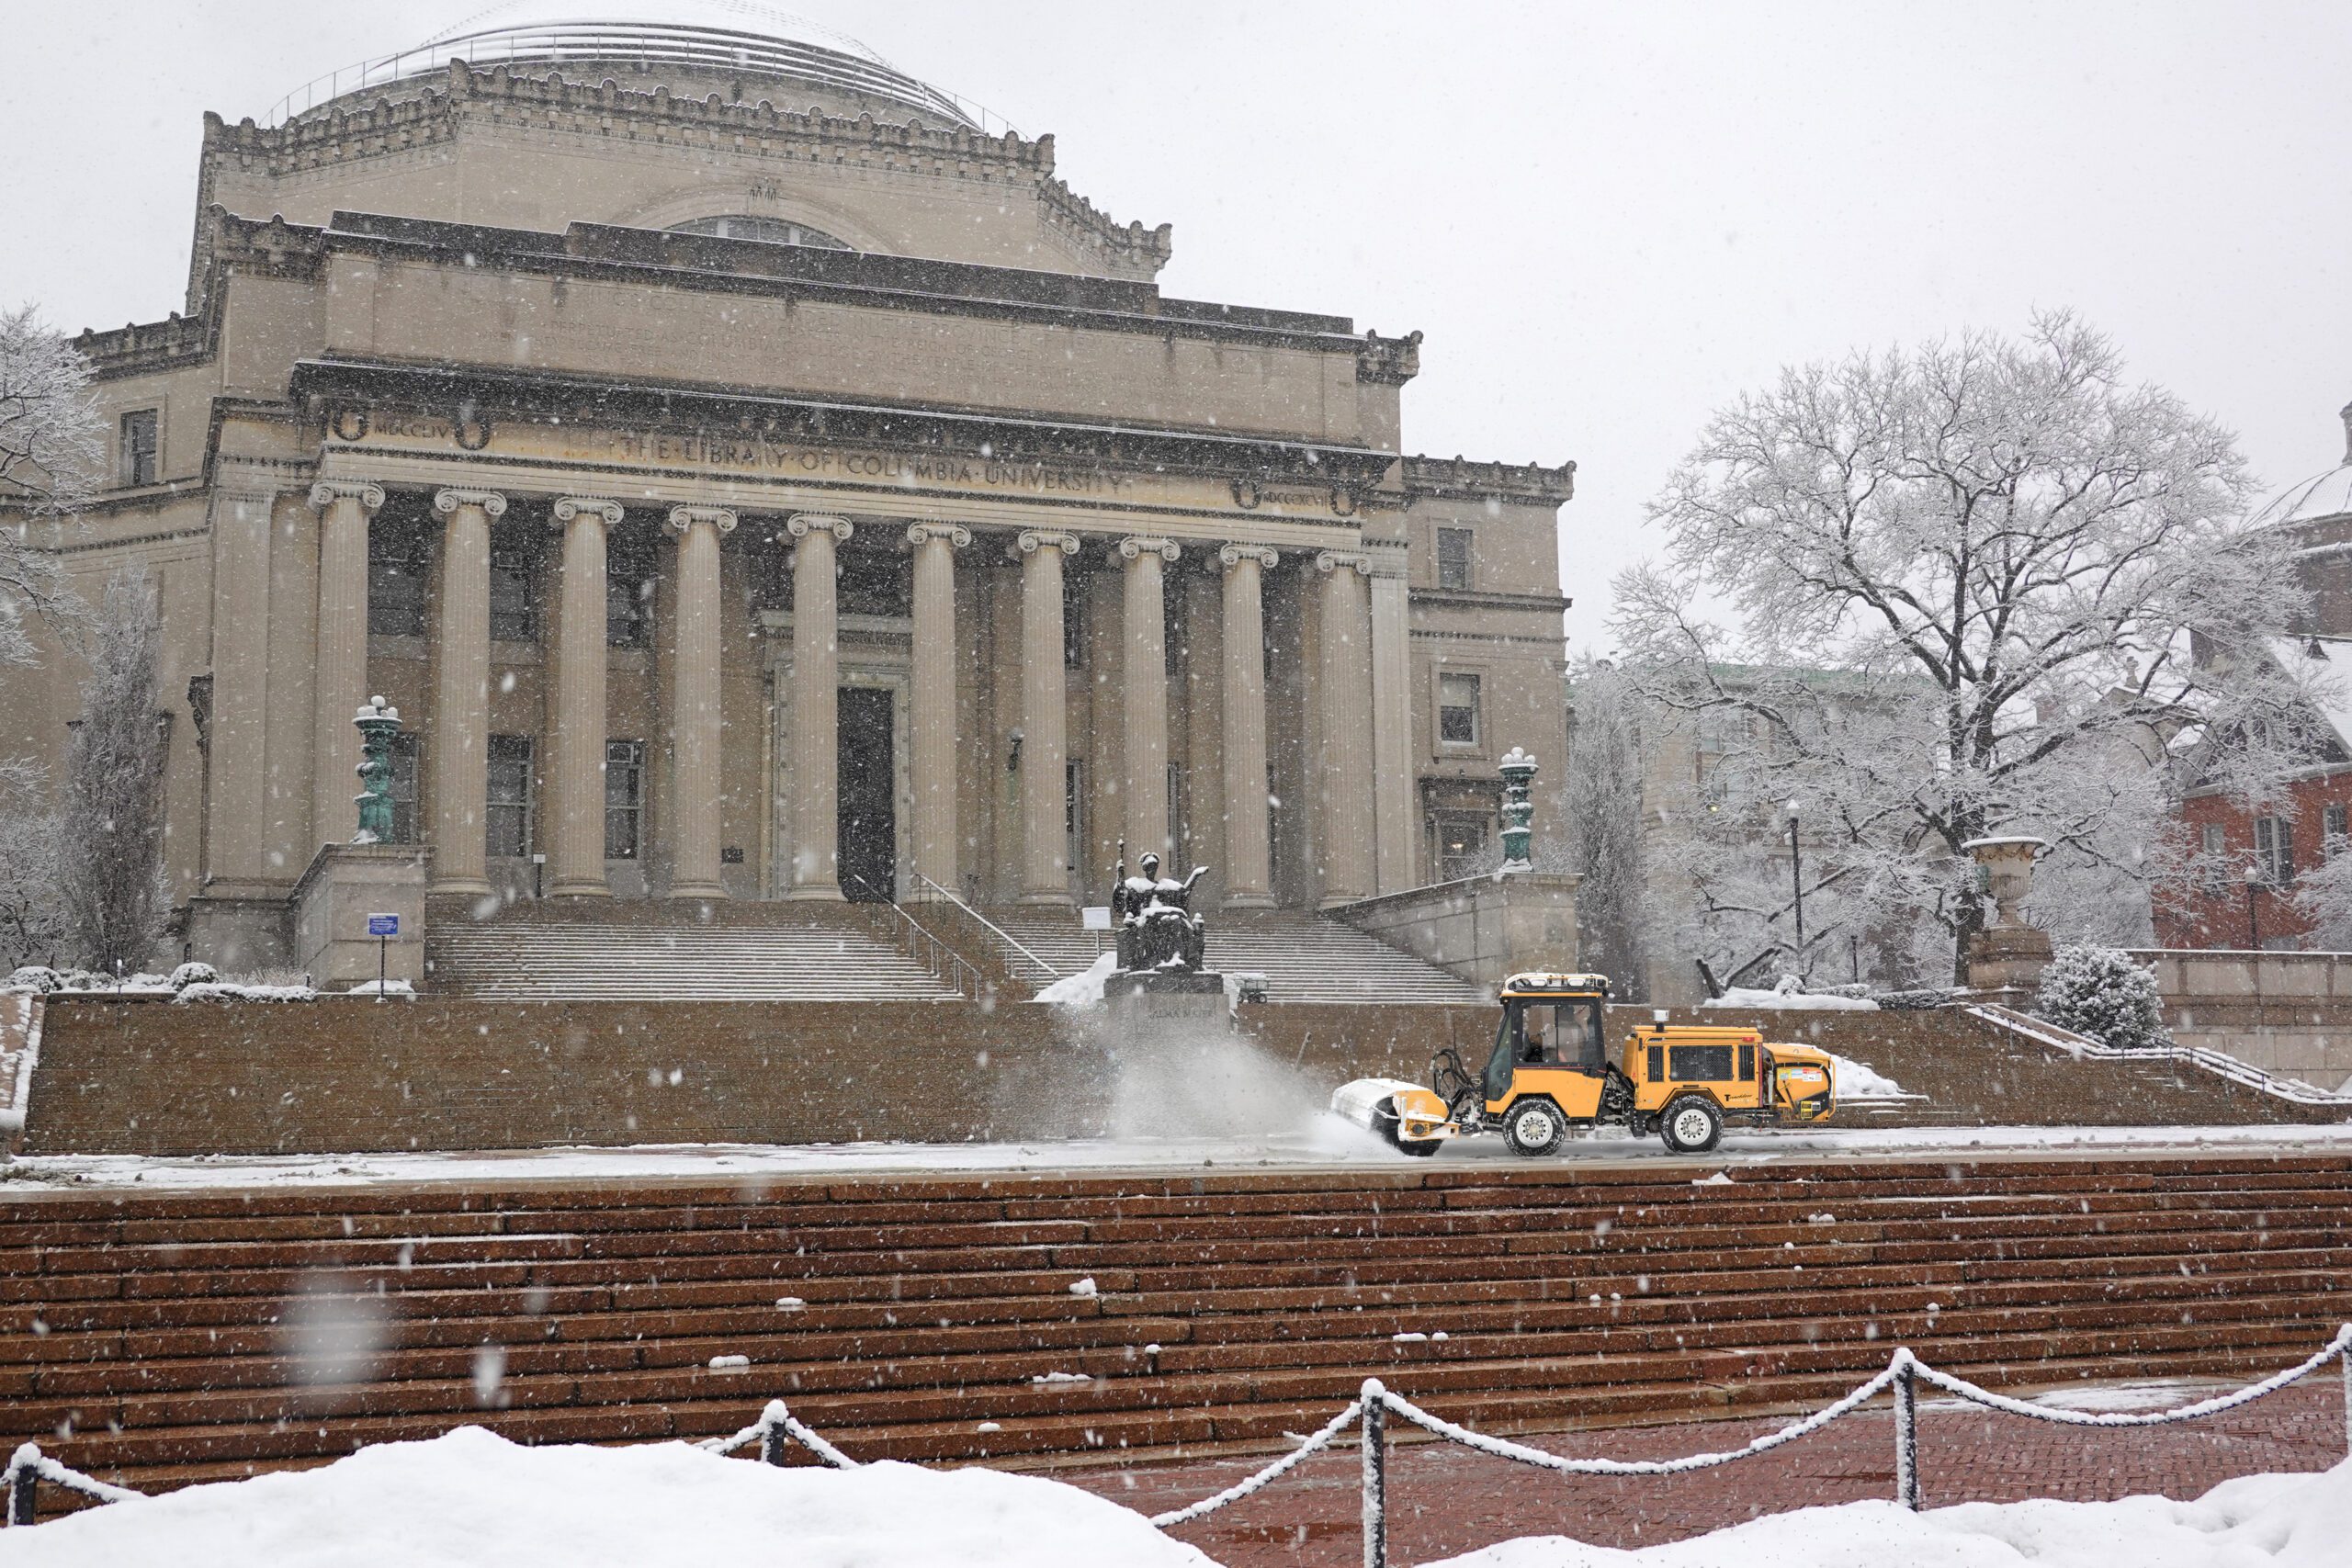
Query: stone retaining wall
2288	1013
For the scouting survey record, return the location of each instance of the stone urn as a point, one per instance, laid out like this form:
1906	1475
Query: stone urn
2009	954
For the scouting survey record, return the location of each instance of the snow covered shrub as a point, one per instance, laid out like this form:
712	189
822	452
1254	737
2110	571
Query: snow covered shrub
34	978
189	975
2098	991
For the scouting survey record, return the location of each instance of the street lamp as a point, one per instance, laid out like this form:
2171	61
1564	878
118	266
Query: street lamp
2253	885
1796	881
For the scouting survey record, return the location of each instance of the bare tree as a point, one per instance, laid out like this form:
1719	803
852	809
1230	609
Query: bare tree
32	913
1604	806
49	451
112	843
2027	577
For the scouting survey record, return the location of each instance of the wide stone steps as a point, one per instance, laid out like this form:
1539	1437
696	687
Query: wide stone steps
521	958
175	1337
1304	957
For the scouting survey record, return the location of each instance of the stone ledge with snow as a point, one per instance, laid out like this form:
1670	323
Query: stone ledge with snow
471	1499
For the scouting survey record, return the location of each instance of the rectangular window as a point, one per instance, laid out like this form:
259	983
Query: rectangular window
1747	1062
1461	847
139	446
1073	623
404	789
2210	838
513	607
2334	827
1701	1064
628	610
1457	710
509	827
1453	558
396	566
624	798
2274	850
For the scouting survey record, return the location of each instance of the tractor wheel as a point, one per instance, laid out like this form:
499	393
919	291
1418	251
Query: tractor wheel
1535	1127
1691	1124
1385	1120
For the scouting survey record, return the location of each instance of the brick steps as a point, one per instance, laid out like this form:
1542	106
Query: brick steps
749	955
157	1328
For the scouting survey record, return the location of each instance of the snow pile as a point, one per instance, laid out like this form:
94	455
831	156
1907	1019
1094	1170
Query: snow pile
1785	996
225	991
2255	1521
1859	1080
1082	989
384	987
473	1500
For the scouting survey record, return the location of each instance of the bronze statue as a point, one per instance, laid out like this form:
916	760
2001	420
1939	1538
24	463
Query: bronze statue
1153	916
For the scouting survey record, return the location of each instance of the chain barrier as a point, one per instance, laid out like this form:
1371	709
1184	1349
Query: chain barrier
777	1426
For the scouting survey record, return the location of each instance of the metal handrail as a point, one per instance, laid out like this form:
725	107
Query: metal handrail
942	893
961	972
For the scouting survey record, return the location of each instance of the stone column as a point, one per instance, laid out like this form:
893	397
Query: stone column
932	754
576	730
1143	676
1396	818
1044	720
816	708
694	704
460	738
1249	869
1344	674
340	678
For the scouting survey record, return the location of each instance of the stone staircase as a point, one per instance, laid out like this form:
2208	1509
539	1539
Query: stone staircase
1304	957
159	1338
618	952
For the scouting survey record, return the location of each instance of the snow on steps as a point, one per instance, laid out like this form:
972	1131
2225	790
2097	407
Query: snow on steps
757	953
1304	957
1229	1307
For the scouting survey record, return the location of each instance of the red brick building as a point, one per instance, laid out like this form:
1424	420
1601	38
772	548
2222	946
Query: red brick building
2248	900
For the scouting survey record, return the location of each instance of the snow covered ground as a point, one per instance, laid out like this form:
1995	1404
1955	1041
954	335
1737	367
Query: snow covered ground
470	1499
1323	1140
2255	1521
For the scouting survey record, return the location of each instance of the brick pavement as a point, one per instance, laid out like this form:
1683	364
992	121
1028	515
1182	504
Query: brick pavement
1444	1499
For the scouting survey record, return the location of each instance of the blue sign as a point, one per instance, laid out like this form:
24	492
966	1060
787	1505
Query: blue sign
383	925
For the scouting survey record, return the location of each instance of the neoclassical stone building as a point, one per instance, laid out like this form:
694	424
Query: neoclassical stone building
753	479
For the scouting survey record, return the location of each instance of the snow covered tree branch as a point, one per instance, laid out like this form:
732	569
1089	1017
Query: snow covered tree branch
112	843
49	453
1981	586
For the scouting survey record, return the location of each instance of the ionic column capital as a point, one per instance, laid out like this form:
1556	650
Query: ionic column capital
953	533
799	524
1328	561
1233	555
684	518
1032	540
447	501
326	493
571	508
1133	548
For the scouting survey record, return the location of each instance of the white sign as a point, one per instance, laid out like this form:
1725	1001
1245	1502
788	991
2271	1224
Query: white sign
1094	917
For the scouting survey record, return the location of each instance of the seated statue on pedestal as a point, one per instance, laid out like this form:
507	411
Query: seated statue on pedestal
1156	928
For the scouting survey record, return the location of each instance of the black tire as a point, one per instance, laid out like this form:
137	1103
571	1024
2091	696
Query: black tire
1385	1122
1691	1124
1534	1127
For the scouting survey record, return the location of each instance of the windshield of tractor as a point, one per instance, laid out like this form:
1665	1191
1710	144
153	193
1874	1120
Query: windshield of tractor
1538	1033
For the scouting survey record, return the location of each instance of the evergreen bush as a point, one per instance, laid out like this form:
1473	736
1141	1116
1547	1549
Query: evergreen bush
2098	991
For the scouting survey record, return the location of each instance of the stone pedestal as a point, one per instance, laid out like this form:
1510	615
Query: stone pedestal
2007	958
1146	1000
342	886
1482	928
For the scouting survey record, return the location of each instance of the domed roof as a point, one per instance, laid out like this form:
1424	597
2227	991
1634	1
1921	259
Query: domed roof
2323	495
693	41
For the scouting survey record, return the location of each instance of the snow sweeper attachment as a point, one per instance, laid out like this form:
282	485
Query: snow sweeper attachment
1550	1071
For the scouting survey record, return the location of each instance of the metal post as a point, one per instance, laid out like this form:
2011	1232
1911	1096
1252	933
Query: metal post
24	1470
2344	1360
1375	1475
1906	1435
1796	883
383	964
772	1436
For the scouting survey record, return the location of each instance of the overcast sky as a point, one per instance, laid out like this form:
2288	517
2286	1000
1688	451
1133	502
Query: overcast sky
1607	218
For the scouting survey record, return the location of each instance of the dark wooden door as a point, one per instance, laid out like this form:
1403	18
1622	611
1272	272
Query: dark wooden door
869	818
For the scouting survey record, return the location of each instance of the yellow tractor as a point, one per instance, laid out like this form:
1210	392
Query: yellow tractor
1551	1071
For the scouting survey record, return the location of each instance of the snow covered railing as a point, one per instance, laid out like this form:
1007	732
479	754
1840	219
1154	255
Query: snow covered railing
2044	1032
777	1426
29	1467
